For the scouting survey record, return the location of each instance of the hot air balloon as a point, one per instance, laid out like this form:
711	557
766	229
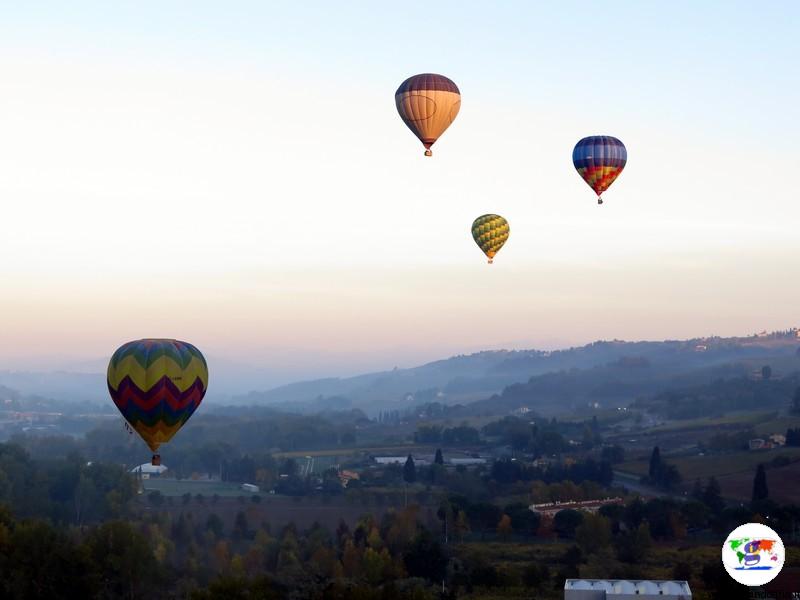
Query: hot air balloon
428	103
157	384
490	232
599	159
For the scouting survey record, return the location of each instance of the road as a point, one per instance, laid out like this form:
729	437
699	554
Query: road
632	483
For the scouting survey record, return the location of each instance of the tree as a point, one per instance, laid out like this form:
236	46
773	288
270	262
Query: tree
760	490
409	471
38	561
438	459
181	532
793	437
241	528
593	534
766	372
504	529
426	558
124	557
351	559
655	464
697	490
214	525
567	521
712	496
669	476
446	516
633	546
373	565
660	473
462	525
588	438
523	518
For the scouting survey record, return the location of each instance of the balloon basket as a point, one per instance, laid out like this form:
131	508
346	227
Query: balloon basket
428	153
156	462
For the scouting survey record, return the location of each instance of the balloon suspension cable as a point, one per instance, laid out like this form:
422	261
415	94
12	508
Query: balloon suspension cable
428	152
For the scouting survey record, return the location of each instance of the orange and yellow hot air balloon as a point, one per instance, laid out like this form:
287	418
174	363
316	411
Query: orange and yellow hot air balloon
428	103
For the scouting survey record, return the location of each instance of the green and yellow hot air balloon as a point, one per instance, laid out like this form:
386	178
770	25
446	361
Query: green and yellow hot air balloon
157	384
490	232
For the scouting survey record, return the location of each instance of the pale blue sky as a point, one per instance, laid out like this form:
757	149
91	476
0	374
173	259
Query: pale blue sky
250	153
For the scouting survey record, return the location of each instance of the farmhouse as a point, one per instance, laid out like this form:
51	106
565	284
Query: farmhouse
148	470
346	477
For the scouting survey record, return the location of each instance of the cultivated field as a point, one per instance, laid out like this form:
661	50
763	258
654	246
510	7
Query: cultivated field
783	484
717	465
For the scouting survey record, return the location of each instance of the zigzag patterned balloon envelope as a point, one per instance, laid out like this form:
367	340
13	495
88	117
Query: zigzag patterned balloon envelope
490	232
157	385
599	159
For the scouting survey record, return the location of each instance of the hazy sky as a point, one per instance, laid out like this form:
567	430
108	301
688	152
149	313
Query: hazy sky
235	174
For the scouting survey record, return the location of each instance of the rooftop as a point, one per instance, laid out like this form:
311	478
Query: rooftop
613	587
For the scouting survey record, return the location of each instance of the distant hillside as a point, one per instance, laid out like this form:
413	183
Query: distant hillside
614	370
61	385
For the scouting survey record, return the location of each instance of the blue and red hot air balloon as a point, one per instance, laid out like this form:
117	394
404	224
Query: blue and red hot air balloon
599	159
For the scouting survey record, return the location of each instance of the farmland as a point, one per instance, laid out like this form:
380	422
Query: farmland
716	465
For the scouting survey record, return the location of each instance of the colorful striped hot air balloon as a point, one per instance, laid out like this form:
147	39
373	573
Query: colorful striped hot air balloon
428	103
599	159
157	385
490	232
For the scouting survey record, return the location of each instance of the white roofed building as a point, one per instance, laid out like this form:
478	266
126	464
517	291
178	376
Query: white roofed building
622	589
148	470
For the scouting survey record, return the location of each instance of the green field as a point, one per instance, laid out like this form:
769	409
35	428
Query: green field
179	487
347	452
744	419
779	425
692	467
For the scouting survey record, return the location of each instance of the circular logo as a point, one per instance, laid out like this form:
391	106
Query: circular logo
753	554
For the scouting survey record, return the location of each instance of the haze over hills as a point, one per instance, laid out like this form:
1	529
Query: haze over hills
613	369
617	371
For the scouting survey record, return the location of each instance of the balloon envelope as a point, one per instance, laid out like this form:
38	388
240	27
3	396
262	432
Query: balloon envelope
490	232
599	159
428	103
157	384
